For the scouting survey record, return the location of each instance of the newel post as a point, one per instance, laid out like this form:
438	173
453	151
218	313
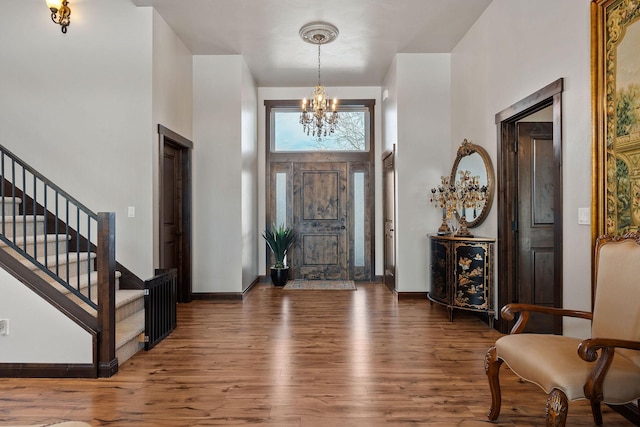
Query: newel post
106	266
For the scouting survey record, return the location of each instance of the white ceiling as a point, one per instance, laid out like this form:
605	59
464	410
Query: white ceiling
265	33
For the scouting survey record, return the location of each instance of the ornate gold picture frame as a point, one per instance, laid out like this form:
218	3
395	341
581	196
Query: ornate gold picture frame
616	116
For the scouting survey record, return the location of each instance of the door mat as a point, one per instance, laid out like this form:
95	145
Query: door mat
321	285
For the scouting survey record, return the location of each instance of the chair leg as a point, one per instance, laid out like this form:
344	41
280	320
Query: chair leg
492	369
596	412
557	406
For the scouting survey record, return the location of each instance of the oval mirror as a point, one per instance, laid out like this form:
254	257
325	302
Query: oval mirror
475	160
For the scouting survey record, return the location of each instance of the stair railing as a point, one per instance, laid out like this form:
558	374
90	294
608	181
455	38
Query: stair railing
73	226
65	222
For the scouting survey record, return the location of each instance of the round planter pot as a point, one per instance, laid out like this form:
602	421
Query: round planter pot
279	276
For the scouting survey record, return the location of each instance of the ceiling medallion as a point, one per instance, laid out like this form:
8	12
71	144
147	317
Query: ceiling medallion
315	117
318	33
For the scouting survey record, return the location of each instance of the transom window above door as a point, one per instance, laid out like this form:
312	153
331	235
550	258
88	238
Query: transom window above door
351	135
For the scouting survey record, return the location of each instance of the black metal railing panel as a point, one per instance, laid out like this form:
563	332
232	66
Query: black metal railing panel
48	227
160	298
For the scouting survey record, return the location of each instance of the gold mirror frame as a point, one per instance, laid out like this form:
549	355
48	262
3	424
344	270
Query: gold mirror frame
616	135
467	149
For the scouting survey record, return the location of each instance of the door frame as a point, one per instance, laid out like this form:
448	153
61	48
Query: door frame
506	120
389	203
184	146
321	156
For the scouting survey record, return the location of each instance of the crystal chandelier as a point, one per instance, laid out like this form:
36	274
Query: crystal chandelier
319	116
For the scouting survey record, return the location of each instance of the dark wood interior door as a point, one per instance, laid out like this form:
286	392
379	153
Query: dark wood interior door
321	220
535	222
171	213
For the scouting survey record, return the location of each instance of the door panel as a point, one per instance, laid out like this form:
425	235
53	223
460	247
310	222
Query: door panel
320	218
535	215
170	227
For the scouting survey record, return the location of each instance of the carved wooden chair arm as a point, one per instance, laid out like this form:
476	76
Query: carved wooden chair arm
588	350
589	347
508	313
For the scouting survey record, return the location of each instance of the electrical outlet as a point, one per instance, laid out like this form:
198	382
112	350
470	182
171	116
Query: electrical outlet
4	326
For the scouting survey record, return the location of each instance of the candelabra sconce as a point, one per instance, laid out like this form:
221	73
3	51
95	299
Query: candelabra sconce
440	196
60	13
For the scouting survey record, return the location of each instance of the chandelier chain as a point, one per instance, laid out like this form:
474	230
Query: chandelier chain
319	65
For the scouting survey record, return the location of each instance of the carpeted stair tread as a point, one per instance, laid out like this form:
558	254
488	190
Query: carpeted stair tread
125	296
20	240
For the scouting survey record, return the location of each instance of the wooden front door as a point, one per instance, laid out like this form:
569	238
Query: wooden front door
324	188
321	219
535	219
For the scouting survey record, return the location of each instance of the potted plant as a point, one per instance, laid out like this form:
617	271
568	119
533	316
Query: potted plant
280	239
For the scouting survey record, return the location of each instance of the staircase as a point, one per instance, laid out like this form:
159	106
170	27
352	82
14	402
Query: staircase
77	268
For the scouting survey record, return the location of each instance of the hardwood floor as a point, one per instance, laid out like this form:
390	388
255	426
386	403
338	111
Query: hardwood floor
299	358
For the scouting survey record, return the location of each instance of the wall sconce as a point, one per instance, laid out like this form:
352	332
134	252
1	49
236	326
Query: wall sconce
60	13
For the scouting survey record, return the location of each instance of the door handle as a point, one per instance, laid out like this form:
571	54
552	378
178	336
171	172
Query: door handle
339	227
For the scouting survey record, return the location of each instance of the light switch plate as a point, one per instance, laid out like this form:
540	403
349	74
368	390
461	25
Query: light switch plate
584	216
4	326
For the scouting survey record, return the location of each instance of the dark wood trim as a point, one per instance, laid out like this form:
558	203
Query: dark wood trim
531	103
388	164
106	267
550	95
47	370
295	103
411	295
185	147
176	138
128	280
218	296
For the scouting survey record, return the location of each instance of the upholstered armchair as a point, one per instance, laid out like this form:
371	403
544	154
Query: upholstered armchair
604	368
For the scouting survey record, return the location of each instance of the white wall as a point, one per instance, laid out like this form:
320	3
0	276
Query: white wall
172	81
285	93
249	154
77	107
223	183
28	341
514	49
390	107
417	112
172	102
